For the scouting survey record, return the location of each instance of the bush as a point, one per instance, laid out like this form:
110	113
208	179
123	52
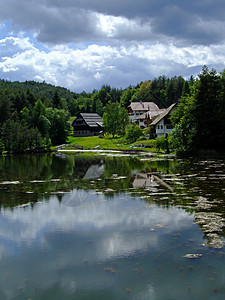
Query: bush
162	143
133	133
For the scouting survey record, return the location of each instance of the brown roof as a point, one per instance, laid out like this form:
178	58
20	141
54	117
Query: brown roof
145	106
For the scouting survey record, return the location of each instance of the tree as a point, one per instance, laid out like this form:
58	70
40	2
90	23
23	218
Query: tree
208	122
97	106
56	101
59	125
17	137
115	119
104	95
158	91
73	106
123	117
125	99
5	107
186	88
25	116
183	120
133	132
143	93
20	101
174	90
199	119
110	118
39	118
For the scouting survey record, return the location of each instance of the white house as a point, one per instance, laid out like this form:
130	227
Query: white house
136	109
147	118
162	123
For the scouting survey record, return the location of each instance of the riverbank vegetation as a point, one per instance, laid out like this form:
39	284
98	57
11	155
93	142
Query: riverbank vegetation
199	119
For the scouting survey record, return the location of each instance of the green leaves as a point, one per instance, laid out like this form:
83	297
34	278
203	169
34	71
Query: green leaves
199	118
17	137
133	132
115	119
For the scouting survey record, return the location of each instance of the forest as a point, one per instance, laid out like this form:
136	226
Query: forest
199	120
36	115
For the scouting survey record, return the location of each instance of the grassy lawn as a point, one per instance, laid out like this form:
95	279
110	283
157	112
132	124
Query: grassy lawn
93	141
105	143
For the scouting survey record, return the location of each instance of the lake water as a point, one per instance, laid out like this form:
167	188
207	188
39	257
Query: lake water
111	227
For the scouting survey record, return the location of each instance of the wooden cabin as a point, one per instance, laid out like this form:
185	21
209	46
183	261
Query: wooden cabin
87	124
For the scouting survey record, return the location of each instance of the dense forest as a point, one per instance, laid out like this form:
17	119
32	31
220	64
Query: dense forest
36	115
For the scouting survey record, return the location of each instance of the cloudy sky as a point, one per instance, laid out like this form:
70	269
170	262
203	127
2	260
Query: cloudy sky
82	44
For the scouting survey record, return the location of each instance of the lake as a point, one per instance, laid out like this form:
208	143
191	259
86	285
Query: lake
85	226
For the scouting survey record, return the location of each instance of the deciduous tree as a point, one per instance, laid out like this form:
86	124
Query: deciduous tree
115	119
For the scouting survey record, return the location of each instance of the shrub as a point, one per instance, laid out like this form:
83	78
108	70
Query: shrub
133	133
162	143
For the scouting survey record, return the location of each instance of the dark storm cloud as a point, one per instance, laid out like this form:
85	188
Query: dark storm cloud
143	7
52	24
58	22
191	22
86	43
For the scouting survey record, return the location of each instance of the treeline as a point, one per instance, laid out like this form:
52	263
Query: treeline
162	90
36	115
199	119
31	120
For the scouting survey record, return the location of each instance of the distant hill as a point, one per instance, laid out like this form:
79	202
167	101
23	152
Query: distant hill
39	89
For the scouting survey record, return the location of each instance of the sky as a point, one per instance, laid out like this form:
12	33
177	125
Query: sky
83	44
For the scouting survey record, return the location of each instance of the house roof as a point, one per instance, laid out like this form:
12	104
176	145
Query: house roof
162	115
143	106
151	114
91	119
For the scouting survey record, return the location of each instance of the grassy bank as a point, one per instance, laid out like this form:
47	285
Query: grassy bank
108	143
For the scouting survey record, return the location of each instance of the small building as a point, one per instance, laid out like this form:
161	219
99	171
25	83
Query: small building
162	125
136	109
87	124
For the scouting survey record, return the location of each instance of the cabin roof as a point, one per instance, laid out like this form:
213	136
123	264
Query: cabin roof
91	119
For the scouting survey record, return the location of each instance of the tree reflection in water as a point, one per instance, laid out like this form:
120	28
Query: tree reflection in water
196	186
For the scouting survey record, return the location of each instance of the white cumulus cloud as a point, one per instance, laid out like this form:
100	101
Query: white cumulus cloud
91	66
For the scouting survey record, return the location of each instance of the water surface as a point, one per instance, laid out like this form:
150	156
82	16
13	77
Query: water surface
106	227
